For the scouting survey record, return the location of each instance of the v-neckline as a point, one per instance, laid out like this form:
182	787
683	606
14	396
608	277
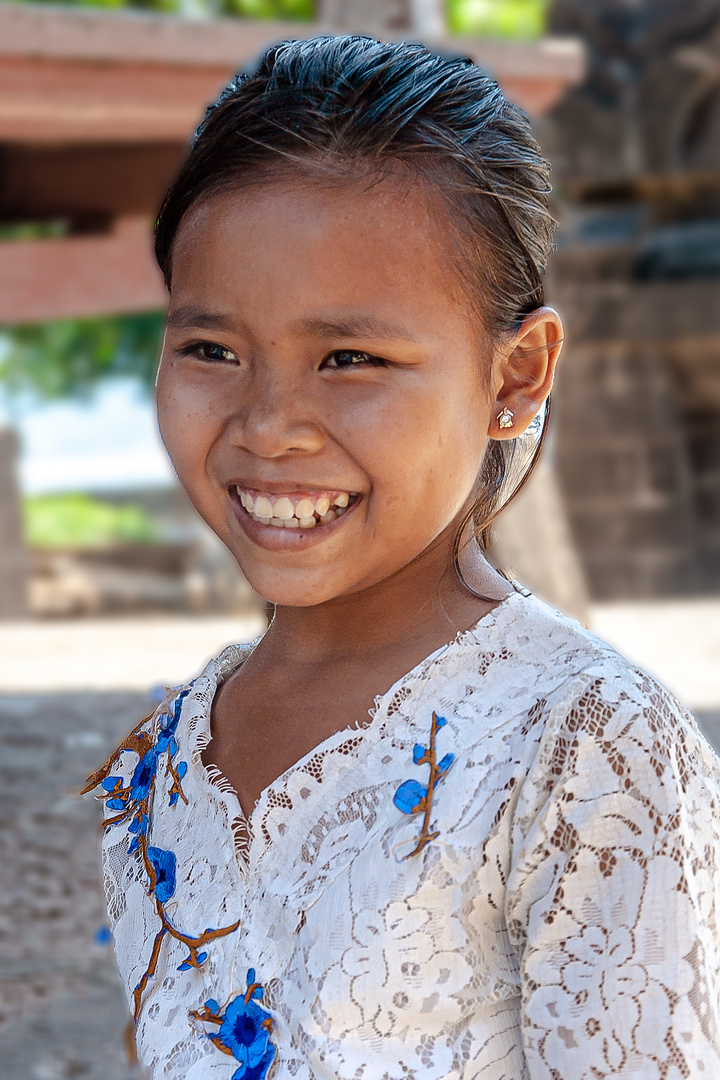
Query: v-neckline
232	659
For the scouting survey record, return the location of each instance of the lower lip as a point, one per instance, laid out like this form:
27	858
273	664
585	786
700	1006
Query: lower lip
273	538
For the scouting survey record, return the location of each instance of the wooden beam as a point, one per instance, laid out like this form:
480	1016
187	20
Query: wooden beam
65	33
93	96
86	181
88	76
80	276
84	34
58	101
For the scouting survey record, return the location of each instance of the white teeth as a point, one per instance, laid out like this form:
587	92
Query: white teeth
304	514
263	507
304	509
284	508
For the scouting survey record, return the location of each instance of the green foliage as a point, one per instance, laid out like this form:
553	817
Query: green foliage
524	19
300	10
70	358
33	230
494	18
250	9
79	521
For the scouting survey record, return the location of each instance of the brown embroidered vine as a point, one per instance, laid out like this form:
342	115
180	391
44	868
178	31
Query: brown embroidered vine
132	801
412	797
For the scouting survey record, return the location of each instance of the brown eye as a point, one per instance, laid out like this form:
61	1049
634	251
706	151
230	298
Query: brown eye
346	358
212	352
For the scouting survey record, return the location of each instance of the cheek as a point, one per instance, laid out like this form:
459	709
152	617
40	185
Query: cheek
421	450
184	421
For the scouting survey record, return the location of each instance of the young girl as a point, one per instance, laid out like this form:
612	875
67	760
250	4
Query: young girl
426	827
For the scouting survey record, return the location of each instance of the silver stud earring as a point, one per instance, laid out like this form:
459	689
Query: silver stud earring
505	418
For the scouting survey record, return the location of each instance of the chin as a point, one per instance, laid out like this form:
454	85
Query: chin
289	590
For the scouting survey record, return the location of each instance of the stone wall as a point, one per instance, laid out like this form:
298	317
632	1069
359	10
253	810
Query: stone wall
636	157
638	433
13	559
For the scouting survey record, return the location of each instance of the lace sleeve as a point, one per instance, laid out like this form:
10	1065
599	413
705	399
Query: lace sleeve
130	908
613	892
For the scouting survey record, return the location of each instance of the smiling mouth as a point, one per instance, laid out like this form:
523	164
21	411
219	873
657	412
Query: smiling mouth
295	511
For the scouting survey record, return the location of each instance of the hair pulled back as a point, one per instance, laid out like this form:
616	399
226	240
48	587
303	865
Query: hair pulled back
353	106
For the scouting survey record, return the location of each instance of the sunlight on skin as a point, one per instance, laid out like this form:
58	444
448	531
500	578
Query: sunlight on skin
318	343
276	281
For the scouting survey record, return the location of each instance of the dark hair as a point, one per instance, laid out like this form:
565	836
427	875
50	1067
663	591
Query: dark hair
353	104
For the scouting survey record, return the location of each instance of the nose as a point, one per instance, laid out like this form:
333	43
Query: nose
276	417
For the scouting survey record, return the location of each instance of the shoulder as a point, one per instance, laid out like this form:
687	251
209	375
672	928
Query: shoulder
525	642
520	667
535	653
571	712
613	902
126	781
166	722
618	762
622	729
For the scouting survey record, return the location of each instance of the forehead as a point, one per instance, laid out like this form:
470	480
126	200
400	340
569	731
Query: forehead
284	246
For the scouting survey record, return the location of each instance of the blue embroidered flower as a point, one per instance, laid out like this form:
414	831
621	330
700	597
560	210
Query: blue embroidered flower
195	960
142	779
168	725
116	804
245	1031
135	797
103	936
133	803
138	826
412	797
164	864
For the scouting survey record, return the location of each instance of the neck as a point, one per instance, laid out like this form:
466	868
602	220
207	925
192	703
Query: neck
425	599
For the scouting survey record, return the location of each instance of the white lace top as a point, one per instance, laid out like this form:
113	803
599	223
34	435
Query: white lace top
529	891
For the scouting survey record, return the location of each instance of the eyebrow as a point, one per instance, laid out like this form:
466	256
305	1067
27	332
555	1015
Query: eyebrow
348	326
353	326
185	317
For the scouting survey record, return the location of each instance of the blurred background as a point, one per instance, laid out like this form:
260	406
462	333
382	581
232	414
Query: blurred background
111	588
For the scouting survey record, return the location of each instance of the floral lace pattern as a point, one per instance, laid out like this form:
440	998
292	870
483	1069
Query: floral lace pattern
560	924
132	801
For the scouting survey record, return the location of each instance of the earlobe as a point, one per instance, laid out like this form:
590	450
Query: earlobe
526	373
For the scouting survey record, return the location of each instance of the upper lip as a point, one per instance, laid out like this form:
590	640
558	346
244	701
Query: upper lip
285	487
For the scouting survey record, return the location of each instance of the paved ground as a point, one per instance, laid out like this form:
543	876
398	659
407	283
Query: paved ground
113	654
61	1008
62	1012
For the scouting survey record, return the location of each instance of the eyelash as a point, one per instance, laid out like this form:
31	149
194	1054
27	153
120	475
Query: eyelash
201	349
367	358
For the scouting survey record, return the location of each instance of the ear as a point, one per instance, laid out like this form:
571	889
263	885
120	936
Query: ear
524	372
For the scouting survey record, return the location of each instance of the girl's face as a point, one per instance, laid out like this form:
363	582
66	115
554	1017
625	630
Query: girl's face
319	358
